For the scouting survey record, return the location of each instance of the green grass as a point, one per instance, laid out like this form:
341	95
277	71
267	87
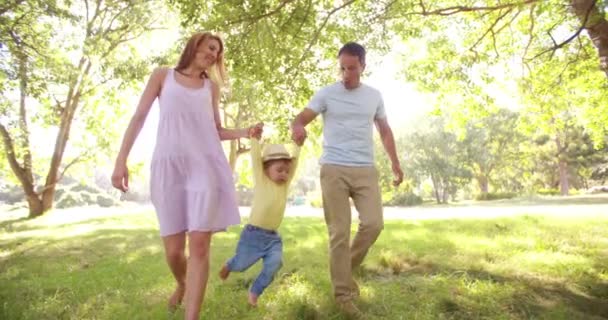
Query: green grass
111	266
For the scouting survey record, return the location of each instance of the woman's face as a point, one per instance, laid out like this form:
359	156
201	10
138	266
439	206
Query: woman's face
207	53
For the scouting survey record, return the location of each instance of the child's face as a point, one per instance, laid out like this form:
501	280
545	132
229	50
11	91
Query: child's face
278	171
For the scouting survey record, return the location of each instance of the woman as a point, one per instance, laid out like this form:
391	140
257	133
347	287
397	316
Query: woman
191	181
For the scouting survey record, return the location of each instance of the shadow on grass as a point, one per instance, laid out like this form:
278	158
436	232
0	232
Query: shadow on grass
587	295
113	272
538	297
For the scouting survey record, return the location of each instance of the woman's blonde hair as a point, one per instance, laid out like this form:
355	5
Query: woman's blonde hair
217	72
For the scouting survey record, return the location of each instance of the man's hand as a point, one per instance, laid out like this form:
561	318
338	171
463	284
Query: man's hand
398	174
298	134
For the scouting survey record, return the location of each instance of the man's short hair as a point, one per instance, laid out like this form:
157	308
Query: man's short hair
353	49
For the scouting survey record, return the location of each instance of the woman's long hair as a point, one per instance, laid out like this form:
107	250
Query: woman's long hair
217	72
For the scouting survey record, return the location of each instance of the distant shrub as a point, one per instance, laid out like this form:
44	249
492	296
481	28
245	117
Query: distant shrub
105	201
85	187
495	196
549	192
598	189
407	199
59	192
68	200
78	195
11	195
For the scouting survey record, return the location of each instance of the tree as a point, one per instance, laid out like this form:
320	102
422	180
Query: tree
491	145
559	96
435	153
58	55
278	53
462	67
501	22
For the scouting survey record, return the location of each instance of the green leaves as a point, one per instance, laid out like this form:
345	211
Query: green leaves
67	66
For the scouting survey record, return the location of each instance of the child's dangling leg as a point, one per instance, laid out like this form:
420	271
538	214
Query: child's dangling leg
273	260
247	253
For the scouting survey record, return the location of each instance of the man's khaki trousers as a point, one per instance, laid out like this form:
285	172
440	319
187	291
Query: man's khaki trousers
338	184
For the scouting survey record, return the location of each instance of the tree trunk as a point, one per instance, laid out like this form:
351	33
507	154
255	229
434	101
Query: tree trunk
482	180
234	155
596	26
23	171
562	167
236	150
67	116
446	193
35	205
564	186
436	188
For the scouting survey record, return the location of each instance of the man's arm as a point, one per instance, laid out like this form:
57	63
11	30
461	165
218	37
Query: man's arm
298	132
388	141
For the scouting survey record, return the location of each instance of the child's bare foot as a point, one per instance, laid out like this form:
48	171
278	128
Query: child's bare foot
225	272
176	298
252	299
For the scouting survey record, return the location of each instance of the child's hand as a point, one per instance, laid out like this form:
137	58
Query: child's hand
256	131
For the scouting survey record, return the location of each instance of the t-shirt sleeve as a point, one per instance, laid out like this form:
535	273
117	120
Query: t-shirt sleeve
380	111
318	103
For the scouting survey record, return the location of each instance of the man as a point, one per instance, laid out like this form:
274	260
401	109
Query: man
349	109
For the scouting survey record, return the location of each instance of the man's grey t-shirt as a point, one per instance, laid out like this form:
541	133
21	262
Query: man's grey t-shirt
348	117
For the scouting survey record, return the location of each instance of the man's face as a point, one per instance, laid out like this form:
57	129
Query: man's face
351	70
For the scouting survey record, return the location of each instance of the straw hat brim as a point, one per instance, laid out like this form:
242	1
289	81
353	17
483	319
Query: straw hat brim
278	156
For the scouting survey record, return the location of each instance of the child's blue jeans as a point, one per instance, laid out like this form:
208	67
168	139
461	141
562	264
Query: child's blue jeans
255	244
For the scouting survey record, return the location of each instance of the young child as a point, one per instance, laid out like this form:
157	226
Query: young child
273	171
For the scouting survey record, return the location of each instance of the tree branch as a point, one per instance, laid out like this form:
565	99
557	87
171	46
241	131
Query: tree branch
10	6
261	16
531	32
80	158
557	46
491	28
9	149
316	35
458	9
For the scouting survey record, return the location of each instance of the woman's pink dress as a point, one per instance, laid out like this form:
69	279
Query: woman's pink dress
191	181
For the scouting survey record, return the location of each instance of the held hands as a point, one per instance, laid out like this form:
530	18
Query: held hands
120	177
298	134
398	174
256	131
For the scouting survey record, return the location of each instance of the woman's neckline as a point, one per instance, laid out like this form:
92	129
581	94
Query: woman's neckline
187	86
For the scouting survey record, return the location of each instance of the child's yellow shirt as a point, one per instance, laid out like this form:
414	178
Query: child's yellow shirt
269	198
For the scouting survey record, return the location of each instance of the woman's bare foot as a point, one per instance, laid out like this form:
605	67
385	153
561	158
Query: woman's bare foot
252	299
176	298
225	272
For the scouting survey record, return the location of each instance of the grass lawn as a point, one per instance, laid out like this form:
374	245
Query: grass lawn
111	266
